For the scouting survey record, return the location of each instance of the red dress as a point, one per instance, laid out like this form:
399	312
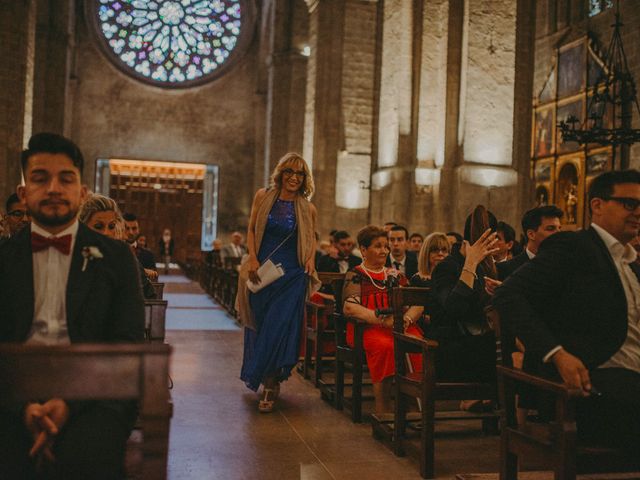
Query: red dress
378	340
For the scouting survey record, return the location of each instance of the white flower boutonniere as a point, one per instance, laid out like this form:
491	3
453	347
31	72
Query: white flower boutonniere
89	253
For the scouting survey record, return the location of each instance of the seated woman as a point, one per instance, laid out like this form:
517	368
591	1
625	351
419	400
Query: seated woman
366	292
101	214
466	349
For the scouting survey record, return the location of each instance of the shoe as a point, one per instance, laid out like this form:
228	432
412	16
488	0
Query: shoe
268	400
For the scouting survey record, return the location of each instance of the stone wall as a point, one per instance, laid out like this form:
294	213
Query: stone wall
115	116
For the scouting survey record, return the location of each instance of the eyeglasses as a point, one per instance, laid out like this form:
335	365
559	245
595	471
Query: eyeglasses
17	213
629	203
288	172
439	250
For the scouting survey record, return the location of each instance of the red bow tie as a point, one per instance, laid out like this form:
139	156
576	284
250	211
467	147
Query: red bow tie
62	244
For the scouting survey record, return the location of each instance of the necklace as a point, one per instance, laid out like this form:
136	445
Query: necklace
373	282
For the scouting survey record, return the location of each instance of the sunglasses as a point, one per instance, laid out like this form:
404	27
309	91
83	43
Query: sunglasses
288	172
629	203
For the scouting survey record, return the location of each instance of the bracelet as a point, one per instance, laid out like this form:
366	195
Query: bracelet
471	272
409	319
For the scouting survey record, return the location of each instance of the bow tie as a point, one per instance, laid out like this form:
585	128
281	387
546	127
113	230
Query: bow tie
62	244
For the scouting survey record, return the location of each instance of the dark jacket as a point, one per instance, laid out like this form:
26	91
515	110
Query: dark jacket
410	264
507	268
330	264
146	258
104	303
458	310
570	294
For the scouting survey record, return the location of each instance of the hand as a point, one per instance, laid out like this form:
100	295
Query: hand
254	264
572	370
480	250
408	321
310	266
152	275
387	321
45	421
490	285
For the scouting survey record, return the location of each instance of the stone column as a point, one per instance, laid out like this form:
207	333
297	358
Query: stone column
286	65
15	19
340	108
54	50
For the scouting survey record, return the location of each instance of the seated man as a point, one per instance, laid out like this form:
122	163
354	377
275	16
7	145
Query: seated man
400	257
145	256
16	217
505	243
62	283
344	260
576	309
537	224
235	249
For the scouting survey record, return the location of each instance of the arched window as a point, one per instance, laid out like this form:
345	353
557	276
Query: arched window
173	43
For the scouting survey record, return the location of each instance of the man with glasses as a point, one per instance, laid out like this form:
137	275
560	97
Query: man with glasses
576	309
17	217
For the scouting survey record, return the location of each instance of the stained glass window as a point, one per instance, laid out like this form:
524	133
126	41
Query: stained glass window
171	42
599	6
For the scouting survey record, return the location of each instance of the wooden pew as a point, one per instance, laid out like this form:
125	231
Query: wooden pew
552	445
159	289
320	330
97	372
155	315
425	387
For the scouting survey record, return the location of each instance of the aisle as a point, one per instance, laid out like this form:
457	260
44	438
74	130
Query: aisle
217	433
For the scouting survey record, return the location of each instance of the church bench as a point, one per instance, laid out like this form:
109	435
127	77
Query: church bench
97	372
158	287
155	316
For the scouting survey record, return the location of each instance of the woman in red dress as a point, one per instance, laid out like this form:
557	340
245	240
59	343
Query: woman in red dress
366	290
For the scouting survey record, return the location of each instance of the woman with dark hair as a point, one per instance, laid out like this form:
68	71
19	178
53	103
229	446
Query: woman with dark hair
467	349
281	230
366	293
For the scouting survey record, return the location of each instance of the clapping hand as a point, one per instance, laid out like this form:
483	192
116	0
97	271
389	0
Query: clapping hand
481	249
490	285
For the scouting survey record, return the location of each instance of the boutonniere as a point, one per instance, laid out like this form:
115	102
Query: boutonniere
89	253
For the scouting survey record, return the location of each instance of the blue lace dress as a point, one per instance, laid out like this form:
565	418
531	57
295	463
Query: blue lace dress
272	349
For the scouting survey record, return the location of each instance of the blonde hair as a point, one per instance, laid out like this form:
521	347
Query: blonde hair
296	162
99	203
433	241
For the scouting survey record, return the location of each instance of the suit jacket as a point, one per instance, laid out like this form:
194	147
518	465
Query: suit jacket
104	303
227	251
330	264
507	268
410	263
146	257
570	294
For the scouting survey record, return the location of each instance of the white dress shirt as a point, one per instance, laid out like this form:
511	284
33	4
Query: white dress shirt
50	276
628	356
530	254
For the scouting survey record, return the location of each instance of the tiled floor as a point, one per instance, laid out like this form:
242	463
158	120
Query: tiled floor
217	433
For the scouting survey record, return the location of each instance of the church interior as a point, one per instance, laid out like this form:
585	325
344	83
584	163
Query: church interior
408	113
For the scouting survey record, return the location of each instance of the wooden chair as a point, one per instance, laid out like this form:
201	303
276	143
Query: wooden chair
159	289
97	372
320	330
347	358
424	386
551	445
155	315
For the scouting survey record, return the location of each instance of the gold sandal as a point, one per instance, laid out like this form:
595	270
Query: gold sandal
268	400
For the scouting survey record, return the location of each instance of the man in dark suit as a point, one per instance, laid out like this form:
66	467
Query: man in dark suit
61	283
400	257
576	309
345	259
537	224
145	256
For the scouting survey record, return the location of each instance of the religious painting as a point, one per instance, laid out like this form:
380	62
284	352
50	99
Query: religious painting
542	171
598	162
542	196
568	192
571	110
571	69
548	92
543	132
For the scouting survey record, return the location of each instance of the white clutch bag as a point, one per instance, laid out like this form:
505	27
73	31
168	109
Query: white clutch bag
268	272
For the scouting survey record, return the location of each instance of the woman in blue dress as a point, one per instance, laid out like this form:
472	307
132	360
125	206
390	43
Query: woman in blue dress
281	229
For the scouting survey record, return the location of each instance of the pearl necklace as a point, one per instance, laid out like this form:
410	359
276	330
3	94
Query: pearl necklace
373	282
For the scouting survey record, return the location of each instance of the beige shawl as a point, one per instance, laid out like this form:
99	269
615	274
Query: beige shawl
306	250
